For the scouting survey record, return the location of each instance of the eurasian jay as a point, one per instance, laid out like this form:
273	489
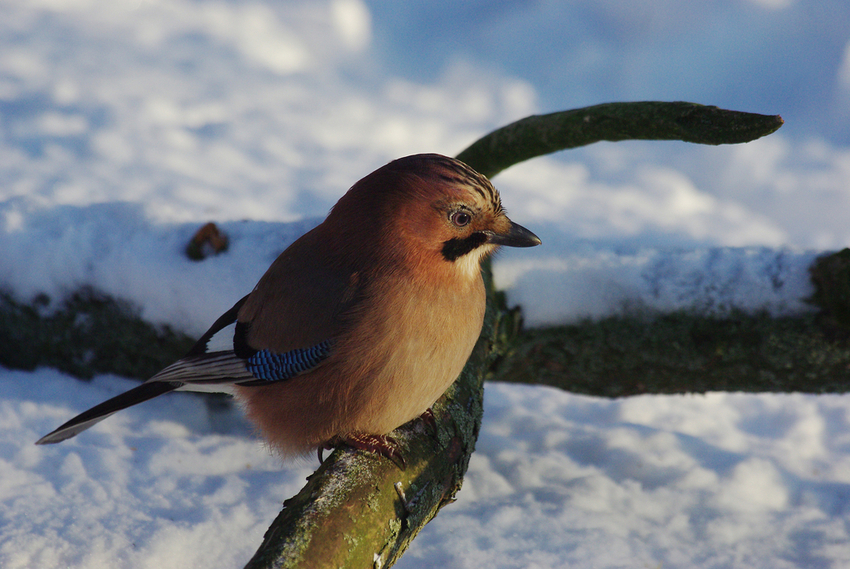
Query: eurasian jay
359	325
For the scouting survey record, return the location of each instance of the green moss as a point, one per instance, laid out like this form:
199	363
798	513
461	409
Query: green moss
86	334
681	352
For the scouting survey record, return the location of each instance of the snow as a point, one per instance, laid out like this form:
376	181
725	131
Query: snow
721	480
125	125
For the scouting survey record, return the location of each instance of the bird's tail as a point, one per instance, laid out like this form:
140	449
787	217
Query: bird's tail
100	412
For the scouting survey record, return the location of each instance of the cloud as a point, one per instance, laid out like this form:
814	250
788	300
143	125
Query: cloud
353	23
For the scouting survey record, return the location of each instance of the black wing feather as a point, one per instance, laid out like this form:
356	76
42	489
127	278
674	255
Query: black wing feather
100	412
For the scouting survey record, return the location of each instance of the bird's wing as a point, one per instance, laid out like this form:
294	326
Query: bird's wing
203	370
307	297
222	356
285	327
262	367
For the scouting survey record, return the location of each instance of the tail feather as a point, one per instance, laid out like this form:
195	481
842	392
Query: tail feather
100	412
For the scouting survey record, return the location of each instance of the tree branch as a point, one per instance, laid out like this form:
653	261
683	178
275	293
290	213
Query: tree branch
538	135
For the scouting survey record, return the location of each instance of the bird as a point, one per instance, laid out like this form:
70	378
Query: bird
361	324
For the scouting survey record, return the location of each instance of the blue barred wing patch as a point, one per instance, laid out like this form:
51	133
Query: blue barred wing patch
268	366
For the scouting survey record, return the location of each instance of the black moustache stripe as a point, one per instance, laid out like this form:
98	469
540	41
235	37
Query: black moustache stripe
453	249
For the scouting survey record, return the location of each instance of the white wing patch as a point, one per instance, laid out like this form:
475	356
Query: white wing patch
222	341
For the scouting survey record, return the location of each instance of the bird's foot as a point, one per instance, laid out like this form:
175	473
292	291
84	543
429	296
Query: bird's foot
379	444
430	420
321	451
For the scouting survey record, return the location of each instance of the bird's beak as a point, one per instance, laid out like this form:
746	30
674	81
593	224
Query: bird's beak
517	236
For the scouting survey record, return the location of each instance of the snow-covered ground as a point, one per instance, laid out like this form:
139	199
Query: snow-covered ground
126	124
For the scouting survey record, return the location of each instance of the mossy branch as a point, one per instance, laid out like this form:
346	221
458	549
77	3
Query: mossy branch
538	135
681	352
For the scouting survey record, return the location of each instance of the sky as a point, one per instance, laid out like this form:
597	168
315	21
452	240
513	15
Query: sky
124	125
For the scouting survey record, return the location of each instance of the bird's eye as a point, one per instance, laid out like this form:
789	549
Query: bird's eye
460	218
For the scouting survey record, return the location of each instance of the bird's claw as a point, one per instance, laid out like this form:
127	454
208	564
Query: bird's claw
430	420
379	444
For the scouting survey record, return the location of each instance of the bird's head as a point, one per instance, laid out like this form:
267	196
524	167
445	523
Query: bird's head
436	209
450	209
